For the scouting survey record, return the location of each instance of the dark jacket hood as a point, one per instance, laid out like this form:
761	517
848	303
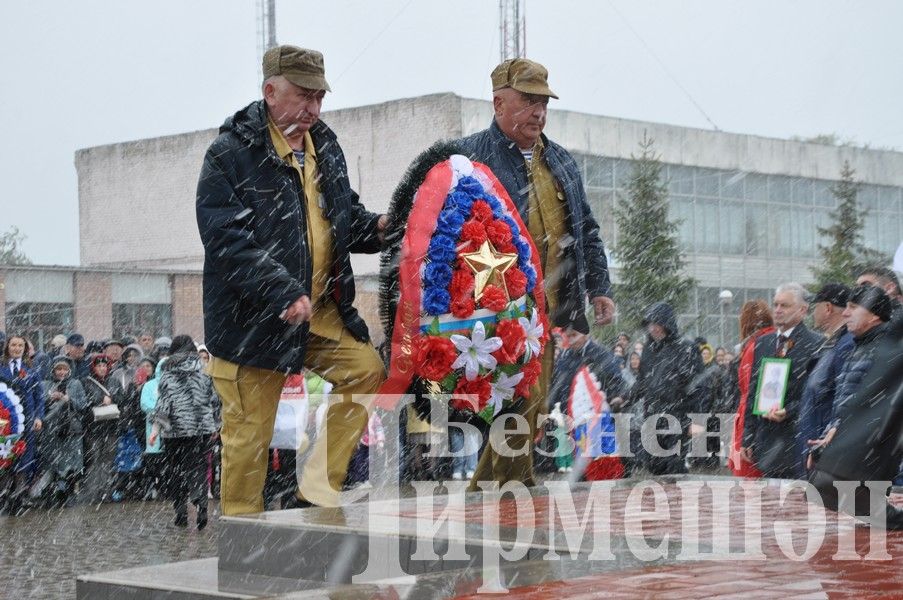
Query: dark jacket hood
661	313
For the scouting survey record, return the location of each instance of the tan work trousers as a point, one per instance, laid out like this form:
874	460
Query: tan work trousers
250	397
492	466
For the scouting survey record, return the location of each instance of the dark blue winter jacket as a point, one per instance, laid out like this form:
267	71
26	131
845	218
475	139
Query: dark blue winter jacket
854	370
817	405
586	271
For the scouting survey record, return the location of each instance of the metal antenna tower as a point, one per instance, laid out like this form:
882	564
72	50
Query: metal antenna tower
266	27
512	29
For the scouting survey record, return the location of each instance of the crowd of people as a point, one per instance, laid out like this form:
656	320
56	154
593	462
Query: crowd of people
94	417
278	300
138	419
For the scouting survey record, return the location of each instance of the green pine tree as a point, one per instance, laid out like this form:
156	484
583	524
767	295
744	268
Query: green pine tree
10	248
846	250
651	263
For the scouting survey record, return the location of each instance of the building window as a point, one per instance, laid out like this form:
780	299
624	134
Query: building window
135	319
39	321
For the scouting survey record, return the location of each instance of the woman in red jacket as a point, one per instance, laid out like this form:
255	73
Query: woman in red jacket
755	321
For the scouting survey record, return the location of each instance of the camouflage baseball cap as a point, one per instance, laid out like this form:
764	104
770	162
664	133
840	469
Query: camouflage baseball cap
522	75
301	66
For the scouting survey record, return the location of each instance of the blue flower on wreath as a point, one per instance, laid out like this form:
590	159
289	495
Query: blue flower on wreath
450	222
498	210
460	201
437	274
530	272
515	230
436	300
470	186
442	249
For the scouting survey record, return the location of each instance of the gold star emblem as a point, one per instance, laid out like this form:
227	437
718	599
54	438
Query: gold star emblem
489	266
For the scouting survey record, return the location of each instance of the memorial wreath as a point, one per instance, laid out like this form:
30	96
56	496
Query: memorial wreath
461	292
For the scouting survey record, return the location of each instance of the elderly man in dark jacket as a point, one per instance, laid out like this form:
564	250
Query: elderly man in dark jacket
867	443
544	182
829	304
770	438
667	384
278	219
867	313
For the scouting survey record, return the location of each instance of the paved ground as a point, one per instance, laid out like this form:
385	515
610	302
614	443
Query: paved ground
45	550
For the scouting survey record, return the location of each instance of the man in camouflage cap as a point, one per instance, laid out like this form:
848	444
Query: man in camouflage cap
278	220
545	184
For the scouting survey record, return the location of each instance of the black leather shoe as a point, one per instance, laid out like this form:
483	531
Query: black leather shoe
181	520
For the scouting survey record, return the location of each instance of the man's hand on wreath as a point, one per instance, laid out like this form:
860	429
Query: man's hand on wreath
604	308
298	311
381	225
38	425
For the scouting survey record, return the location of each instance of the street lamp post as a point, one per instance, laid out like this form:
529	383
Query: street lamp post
725	298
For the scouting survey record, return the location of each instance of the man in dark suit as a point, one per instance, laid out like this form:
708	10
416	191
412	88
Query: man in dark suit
769	439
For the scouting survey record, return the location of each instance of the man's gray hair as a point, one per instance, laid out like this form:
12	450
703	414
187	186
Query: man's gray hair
802	296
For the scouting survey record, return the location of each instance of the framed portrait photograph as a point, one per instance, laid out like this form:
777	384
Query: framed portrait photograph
771	389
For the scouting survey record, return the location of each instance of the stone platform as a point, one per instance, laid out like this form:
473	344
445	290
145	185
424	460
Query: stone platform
673	537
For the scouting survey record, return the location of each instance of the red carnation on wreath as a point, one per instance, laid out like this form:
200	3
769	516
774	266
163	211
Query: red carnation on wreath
461	292
499	234
516	282
462	283
514	341
5	463
532	370
493	298
475	233
435	356
462	307
481	211
481	387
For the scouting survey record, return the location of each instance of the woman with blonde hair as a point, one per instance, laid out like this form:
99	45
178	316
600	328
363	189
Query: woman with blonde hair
755	321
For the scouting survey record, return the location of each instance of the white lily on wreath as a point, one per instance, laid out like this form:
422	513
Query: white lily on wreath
534	330
503	390
476	351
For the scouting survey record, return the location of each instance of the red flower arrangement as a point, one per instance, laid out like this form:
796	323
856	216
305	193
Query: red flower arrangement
435	356
474	232
481	387
514	341
481	211
532	370
493	298
500	235
516	282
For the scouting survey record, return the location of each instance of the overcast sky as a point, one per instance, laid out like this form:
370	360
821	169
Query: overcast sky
91	72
